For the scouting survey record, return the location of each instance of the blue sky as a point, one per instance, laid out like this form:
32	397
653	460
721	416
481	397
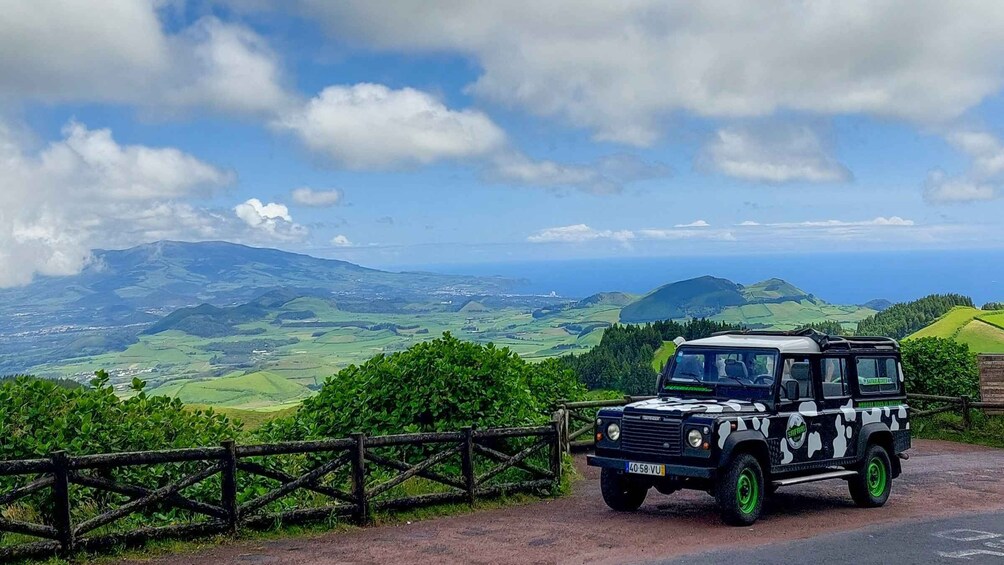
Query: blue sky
391	133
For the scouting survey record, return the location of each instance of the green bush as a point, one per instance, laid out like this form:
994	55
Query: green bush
38	417
944	367
439	385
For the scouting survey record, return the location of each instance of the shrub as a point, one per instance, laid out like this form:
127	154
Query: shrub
439	385
940	366
38	417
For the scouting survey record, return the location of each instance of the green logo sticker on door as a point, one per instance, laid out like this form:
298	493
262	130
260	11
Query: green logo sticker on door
796	430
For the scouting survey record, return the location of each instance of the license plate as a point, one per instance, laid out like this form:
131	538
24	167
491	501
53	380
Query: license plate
645	468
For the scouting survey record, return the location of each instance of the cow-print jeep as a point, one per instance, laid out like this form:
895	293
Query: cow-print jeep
740	414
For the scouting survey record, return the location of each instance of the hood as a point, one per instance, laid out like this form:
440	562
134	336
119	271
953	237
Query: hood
685	406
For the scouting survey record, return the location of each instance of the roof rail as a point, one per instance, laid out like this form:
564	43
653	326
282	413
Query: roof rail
825	341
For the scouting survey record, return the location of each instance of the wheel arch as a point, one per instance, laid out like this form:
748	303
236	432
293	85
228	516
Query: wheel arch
878	433
748	441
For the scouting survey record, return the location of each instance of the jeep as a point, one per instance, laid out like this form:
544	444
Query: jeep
743	413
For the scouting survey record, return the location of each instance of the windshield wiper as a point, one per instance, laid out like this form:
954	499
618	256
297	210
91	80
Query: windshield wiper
692	377
742	384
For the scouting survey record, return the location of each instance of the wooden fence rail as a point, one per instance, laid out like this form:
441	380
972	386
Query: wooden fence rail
350	477
579	417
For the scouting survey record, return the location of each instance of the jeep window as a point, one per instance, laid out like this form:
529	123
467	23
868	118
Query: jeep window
796	379
835	377
878	375
745	369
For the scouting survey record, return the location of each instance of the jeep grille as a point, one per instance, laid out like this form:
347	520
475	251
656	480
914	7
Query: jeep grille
650	437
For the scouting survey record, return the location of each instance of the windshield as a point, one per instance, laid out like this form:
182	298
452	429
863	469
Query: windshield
751	370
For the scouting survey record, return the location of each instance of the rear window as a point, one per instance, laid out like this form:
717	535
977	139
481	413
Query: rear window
878	375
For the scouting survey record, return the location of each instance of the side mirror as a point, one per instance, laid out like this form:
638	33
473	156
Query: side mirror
791	390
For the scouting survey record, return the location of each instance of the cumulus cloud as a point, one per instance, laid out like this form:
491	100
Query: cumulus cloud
773	153
341	241
370	126
306	196
272	219
118	51
578	233
86	190
622	68
694	224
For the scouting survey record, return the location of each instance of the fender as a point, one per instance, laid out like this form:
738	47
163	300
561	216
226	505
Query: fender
745	438
867	432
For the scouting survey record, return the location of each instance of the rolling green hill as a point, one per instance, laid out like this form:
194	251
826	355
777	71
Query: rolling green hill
251	391
693	298
773	303
983	331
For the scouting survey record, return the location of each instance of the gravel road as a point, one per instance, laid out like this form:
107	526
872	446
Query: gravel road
940	480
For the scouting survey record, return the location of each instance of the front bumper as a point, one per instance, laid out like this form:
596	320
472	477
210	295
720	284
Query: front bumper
689	471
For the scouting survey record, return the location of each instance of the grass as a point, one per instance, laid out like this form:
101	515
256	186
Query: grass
662	355
252	419
981	330
985	430
792	315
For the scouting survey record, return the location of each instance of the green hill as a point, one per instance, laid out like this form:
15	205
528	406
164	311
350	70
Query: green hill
982	331
693	298
773	303
905	318
251	391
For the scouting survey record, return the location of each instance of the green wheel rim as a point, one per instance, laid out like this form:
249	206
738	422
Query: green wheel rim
876	477
747	492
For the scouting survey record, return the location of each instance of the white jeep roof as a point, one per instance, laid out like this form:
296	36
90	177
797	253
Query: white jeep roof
783	343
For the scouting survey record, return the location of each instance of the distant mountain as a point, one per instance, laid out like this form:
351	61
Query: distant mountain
121	292
699	298
707	296
879	304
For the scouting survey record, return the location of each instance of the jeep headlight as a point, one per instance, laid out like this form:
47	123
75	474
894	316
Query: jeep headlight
695	438
613	431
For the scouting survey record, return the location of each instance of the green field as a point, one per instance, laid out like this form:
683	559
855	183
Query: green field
662	355
982	331
181	365
792	315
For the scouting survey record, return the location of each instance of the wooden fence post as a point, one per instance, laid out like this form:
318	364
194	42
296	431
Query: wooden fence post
467	464
228	493
555	448
61	501
566	443
359	478
966	421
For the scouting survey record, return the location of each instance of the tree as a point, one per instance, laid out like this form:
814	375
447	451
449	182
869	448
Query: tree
902	319
439	385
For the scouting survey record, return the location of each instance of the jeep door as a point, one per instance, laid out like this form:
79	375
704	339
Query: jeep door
798	411
839	425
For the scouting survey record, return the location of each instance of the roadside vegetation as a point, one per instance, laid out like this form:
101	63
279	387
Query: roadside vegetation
901	320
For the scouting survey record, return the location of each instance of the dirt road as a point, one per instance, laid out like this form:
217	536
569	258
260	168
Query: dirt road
940	479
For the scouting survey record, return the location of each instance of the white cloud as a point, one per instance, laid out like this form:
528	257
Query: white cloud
341	241
943	189
984	148
86	191
677	233
622	68
578	233
607	175
306	196
118	51
225	67
880	221
272	219
694	224
370	126
775	153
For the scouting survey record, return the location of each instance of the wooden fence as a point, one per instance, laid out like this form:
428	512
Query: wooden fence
580	417
244	486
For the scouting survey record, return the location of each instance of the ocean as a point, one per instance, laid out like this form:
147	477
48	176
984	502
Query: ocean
838	278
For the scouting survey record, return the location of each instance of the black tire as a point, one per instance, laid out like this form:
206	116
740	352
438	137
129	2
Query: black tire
870	488
620	492
740	491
